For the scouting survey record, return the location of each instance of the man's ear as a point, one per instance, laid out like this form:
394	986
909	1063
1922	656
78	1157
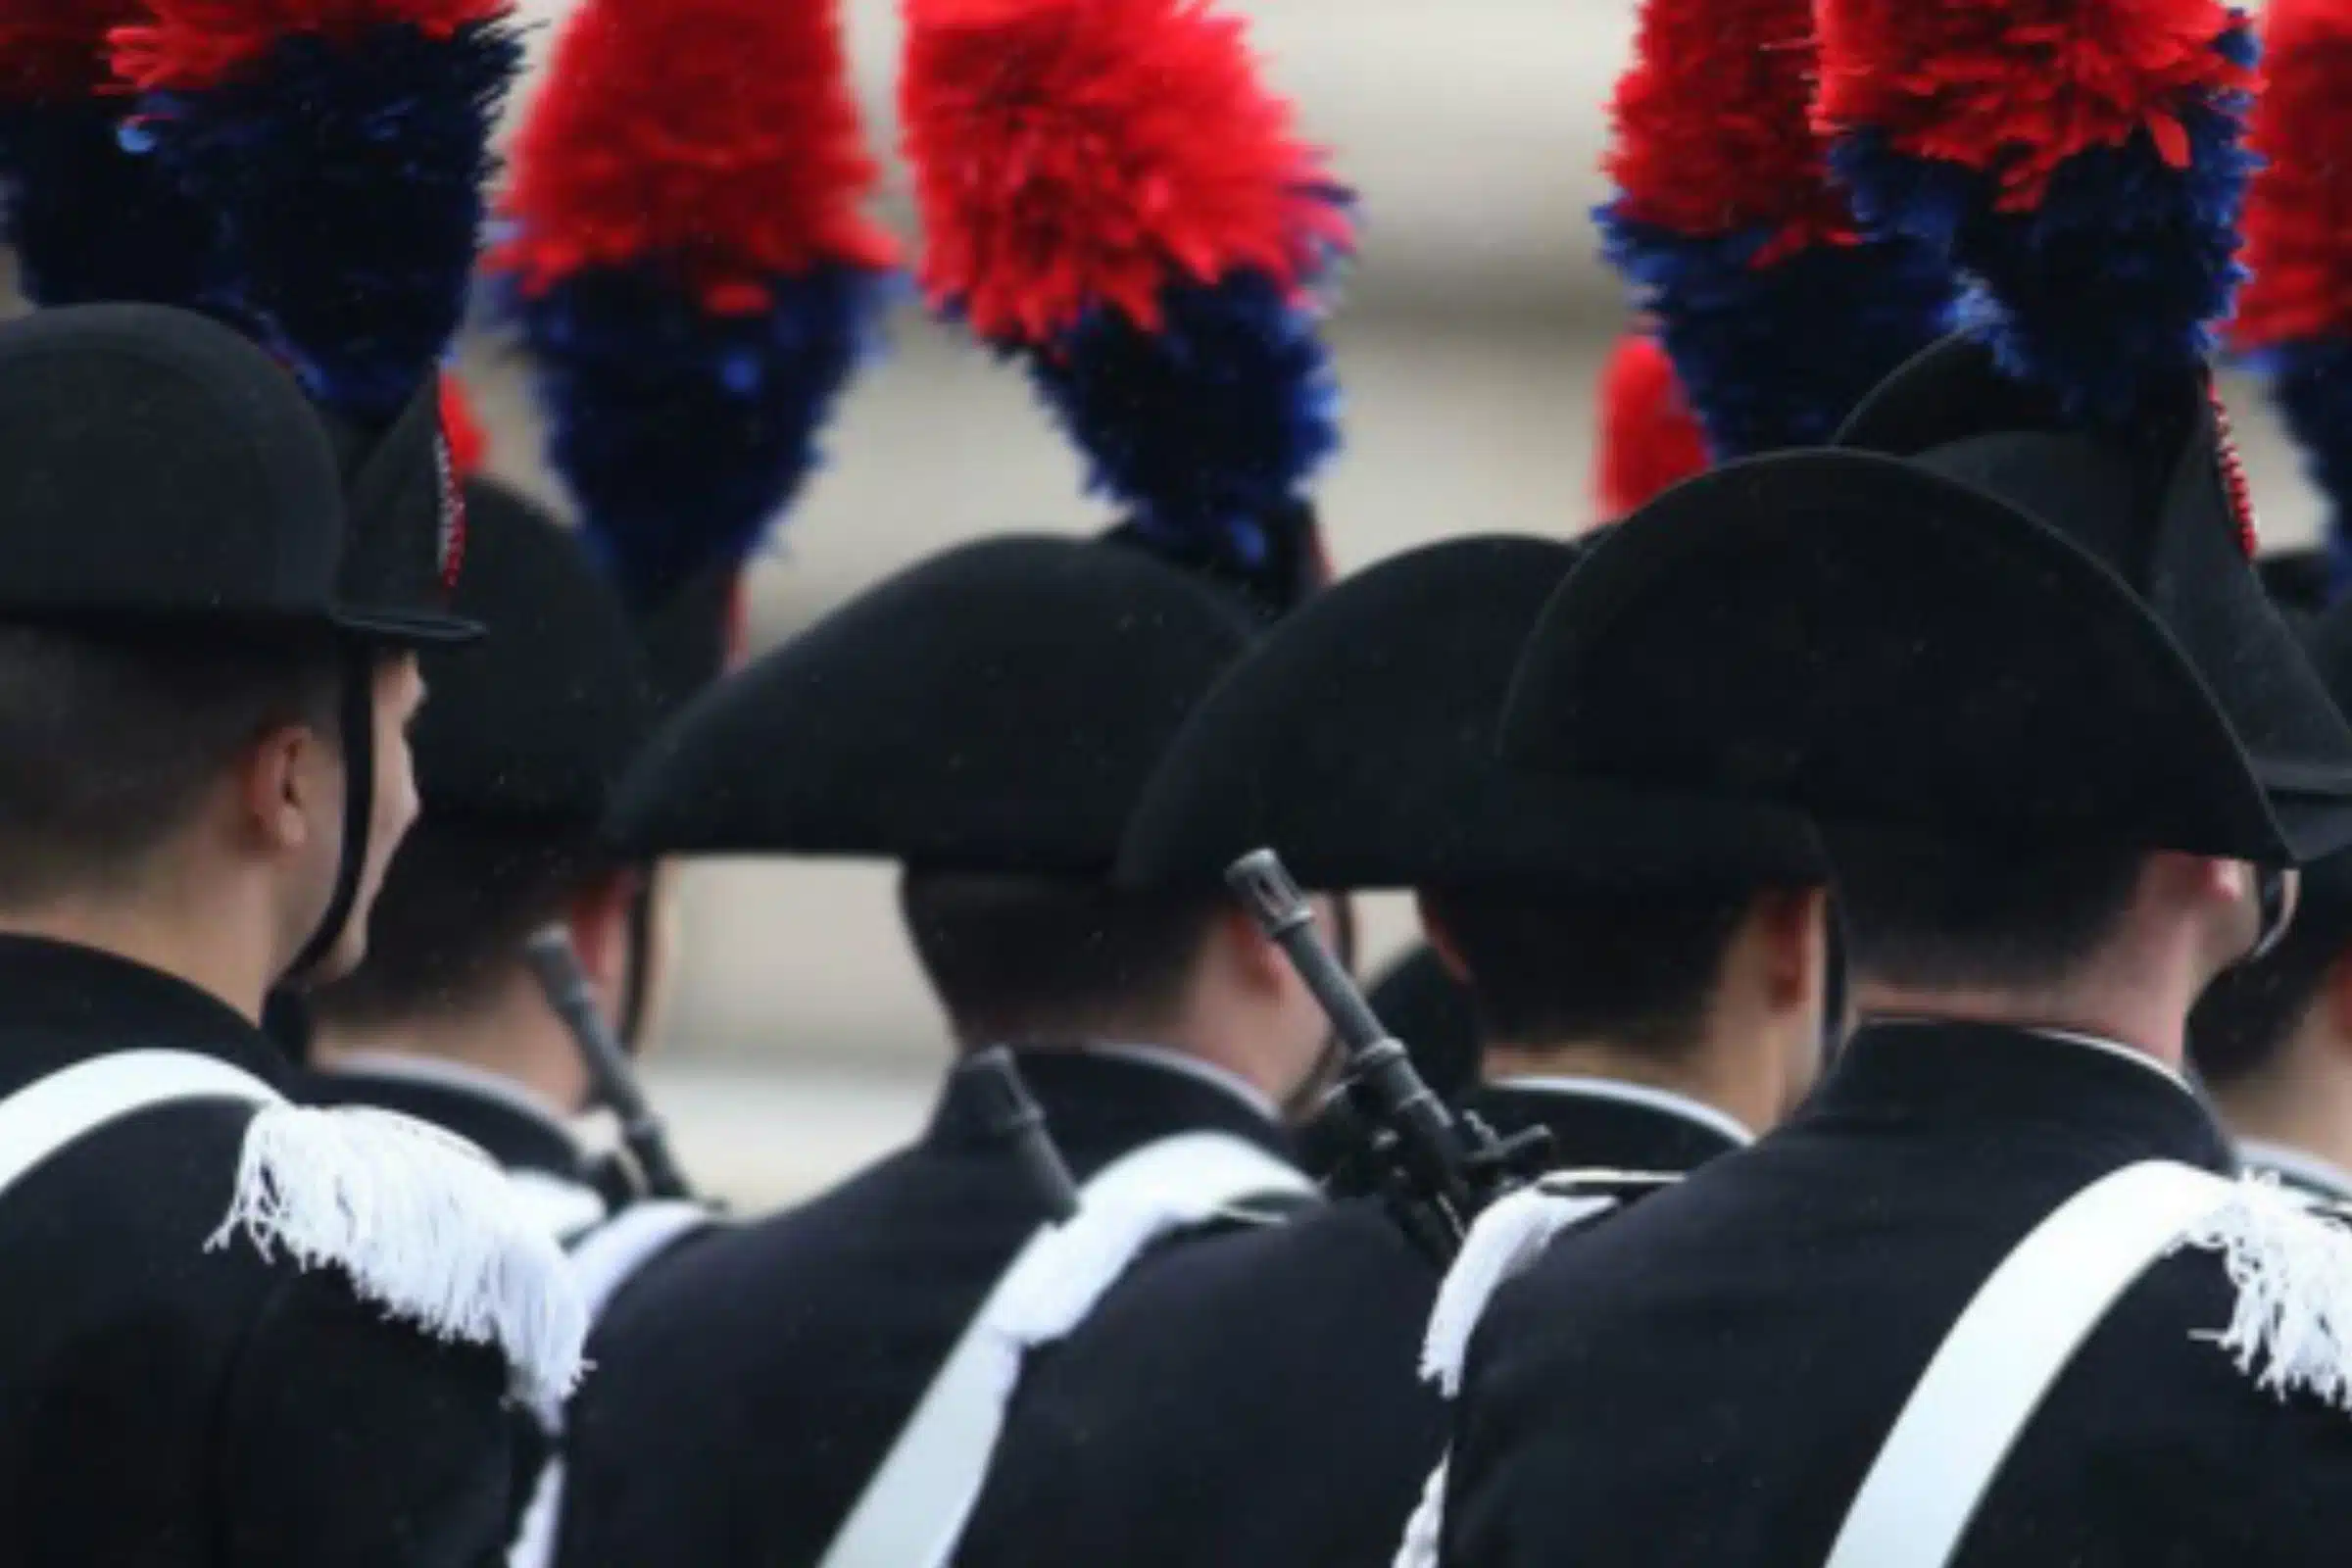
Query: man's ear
599	924
282	778
1441	940
1792	928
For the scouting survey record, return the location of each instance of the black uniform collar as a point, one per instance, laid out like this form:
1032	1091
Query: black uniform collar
1601	1123
1964	1075
500	1119
62	1003
1100	1101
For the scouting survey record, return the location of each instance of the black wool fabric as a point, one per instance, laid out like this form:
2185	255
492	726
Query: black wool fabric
531	732
997	707
748	1385
1251	1400
164	1403
1867	633
1358	740
1706	1379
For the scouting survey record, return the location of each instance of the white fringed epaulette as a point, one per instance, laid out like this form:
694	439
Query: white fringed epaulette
422	1224
2289	1258
1503	1243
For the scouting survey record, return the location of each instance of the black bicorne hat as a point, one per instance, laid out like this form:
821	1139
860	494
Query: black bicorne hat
537	738
995	707
1967	619
1358	739
159	469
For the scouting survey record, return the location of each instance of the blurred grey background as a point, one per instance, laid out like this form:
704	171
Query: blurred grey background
799	1040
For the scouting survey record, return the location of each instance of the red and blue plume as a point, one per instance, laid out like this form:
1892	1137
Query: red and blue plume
2294	316
686	254
88	218
1109	192
1647	441
1778	315
341	146
2082	162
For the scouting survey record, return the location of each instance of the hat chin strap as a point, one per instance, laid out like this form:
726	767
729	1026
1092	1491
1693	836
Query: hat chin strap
357	719
2275	898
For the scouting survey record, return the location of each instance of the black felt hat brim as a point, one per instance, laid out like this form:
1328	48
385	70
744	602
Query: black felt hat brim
1358	740
994	709
1852	636
396	629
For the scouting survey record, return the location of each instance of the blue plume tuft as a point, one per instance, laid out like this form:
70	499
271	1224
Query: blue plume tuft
2312	383
2113	283
1208	428
1777	355
91	221
680	432
348	178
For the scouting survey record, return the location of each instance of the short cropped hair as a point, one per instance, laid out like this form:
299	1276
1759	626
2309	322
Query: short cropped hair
110	743
1550	967
1931	913
2248	1015
1036	959
458	903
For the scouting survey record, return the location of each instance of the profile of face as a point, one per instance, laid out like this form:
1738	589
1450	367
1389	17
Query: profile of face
311	809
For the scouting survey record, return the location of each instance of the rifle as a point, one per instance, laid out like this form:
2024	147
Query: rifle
1013	1115
1436	1169
611	1080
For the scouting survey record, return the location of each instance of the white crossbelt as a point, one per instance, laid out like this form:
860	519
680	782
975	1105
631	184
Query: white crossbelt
912	1511
2000	1360
604	1261
52	1112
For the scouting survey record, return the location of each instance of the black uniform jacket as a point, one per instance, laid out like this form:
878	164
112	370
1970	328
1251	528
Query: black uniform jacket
1707	1378
745	1389
552	1173
1253	1399
163	1402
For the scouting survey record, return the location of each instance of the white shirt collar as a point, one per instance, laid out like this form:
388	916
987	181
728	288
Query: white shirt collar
444	1074
2300	1164
1192	1066
2116	1048
1660	1100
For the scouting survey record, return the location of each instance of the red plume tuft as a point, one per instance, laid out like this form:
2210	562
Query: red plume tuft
2016	87
186	44
1072	153
1712	132
55	50
1648	439
720	136
2299	205
469	444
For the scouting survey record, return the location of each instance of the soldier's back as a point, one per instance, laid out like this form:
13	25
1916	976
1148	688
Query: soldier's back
1709	1379
170	1396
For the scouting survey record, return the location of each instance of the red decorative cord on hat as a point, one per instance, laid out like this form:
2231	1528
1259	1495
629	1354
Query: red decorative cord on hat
1647	440
468	445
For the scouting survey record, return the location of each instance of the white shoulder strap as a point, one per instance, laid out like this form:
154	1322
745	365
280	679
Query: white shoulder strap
914	1510
2011	1343
602	1261
52	1112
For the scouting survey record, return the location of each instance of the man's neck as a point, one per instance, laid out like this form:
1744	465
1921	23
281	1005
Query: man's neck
205	954
2151	1020
2302	1103
513	1036
1713	1077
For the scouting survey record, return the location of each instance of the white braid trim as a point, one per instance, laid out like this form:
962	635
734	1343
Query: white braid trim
1425	1531
422	1224
2291	1331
